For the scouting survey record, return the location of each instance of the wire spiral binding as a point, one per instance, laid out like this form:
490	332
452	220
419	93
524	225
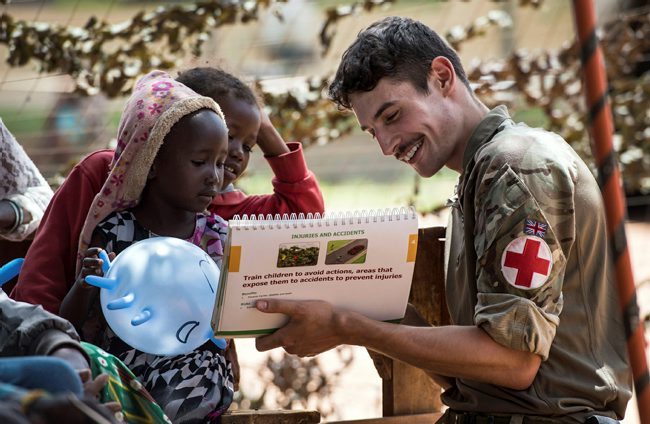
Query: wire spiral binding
328	219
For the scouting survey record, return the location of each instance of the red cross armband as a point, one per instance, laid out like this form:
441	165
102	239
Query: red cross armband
526	262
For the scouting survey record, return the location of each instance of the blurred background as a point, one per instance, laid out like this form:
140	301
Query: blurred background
68	64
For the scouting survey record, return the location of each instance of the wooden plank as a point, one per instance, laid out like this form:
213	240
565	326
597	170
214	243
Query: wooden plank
402	419
407	390
270	417
410	391
428	285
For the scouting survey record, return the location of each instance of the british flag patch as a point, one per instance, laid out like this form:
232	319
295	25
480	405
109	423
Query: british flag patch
534	228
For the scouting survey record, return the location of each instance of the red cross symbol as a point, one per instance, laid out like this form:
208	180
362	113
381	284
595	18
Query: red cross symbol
527	262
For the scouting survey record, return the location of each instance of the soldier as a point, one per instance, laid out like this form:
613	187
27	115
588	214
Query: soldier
537	334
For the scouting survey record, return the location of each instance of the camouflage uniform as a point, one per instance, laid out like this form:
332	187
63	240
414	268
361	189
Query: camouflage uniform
528	263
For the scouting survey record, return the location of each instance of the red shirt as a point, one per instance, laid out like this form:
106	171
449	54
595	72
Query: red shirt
295	190
49	268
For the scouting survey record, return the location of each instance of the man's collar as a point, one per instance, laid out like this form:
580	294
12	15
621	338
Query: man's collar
484	132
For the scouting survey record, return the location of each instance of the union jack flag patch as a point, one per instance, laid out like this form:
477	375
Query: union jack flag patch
534	228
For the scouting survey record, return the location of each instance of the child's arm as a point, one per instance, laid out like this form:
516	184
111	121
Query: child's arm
49	268
25	192
269	139
295	188
77	302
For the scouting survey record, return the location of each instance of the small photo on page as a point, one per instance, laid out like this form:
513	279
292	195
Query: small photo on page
346	252
298	254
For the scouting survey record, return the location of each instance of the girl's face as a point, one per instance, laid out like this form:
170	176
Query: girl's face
188	170
244	123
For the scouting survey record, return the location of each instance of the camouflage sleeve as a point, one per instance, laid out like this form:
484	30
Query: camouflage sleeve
521	232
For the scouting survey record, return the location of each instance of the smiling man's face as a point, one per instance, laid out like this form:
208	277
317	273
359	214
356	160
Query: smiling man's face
417	128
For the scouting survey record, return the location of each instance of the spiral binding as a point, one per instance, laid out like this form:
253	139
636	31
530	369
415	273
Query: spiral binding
328	219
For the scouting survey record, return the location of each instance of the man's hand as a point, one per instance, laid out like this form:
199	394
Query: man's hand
313	327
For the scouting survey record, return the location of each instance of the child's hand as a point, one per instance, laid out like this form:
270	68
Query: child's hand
268	138
93	388
91	265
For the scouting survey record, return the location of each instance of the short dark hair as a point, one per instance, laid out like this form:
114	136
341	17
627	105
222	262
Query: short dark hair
217	84
395	47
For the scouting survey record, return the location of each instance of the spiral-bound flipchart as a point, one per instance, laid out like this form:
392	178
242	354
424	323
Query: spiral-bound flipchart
358	260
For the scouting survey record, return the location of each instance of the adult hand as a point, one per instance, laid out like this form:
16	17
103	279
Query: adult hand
313	327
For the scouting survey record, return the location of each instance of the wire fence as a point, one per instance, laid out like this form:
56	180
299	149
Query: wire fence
56	127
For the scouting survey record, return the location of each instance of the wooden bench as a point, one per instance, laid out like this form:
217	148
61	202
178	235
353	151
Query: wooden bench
408	394
429	418
270	417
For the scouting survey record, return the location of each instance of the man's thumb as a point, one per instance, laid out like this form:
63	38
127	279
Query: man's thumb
262	305
275	306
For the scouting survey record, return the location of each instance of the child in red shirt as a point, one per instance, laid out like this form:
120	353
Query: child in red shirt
49	268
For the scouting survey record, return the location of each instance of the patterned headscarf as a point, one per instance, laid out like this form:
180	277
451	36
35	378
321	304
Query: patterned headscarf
156	104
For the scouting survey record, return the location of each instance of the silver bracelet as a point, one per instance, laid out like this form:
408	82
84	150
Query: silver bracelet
18	212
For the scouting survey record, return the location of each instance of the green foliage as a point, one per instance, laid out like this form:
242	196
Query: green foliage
23	122
305	114
107	58
545	87
297	256
551	82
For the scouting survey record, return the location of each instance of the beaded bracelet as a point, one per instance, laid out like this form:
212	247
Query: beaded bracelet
18	212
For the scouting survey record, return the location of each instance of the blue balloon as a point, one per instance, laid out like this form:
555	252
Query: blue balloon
158	295
10	270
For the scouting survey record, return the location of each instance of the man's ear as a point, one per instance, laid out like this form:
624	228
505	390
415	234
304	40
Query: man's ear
443	75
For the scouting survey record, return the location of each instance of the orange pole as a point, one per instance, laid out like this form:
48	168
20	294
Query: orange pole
601	130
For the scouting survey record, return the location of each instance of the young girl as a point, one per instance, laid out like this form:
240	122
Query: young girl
295	188
49	267
167	168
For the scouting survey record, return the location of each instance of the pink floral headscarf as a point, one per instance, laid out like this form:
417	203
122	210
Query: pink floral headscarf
156	104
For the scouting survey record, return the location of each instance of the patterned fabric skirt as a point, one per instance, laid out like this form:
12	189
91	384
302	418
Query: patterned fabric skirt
137	404
193	388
